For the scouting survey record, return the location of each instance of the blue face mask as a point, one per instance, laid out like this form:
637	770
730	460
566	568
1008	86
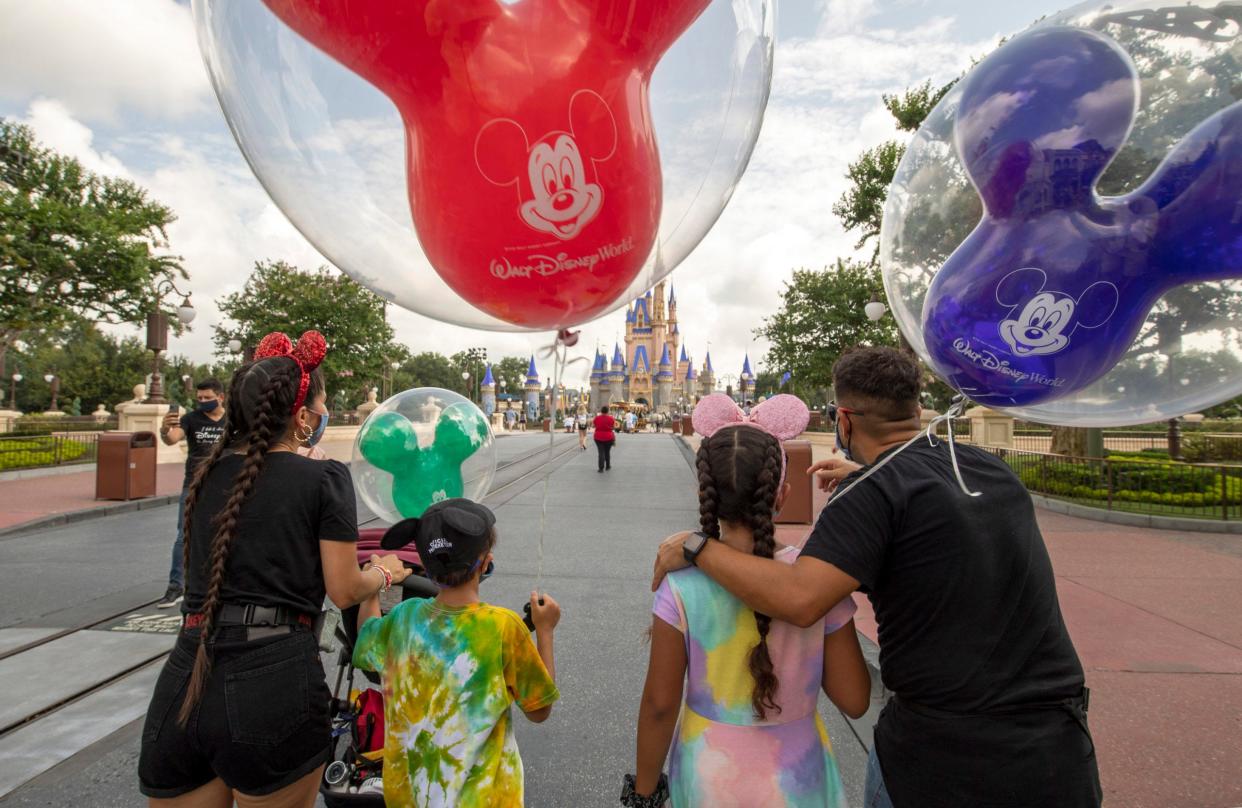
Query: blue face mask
208	405
319	430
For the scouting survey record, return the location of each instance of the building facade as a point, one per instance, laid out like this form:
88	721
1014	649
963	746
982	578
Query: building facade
653	369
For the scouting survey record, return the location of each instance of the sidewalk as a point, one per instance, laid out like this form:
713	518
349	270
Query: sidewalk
38	500
1156	617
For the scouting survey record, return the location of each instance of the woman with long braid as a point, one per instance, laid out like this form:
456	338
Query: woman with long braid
749	733
240	710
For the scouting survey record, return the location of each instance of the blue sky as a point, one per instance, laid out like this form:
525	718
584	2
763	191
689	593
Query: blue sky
121	85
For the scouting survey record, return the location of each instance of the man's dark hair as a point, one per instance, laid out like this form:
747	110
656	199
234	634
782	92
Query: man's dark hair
603	410
212	384
885	379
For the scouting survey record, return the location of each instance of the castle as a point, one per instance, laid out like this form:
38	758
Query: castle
655	370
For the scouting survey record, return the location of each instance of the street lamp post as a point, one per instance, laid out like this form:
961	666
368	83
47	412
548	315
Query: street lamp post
17	377
54	381
465	381
157	335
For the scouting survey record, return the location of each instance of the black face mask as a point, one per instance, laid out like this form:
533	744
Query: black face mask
844	449
209	405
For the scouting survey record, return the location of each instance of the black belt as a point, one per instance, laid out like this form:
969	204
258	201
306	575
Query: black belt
250	614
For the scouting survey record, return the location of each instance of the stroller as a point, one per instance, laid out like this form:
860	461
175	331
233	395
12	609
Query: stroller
354	773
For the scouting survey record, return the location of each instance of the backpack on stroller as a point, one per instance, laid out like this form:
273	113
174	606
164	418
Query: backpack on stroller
354	775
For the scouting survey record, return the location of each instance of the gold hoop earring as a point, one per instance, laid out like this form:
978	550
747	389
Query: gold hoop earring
300	438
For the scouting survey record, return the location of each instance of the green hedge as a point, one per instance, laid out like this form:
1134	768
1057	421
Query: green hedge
1134	481
40	451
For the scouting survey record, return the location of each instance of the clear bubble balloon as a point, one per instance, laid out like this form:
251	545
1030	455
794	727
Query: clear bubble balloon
1062	237
501	165
419	447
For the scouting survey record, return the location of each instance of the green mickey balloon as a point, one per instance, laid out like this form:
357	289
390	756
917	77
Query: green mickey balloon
422	475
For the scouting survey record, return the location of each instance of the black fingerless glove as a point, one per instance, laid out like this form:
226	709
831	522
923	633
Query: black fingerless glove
632	799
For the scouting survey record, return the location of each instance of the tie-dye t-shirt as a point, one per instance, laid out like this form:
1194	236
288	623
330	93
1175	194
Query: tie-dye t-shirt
449	676
723	755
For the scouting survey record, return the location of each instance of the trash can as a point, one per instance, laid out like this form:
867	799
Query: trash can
817	420
687	427
125	465
800	503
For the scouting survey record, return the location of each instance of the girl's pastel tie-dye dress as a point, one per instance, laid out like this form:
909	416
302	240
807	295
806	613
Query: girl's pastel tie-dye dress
722	755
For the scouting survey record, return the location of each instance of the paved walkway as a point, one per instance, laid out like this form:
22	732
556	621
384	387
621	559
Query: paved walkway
35	499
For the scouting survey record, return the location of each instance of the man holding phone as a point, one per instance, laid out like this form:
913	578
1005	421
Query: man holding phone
201	428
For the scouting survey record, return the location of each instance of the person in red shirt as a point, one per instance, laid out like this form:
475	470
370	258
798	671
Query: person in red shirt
604	438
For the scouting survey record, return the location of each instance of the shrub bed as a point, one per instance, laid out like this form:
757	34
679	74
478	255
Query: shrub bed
1133	480
40	451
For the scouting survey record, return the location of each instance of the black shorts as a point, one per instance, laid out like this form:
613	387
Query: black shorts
261	724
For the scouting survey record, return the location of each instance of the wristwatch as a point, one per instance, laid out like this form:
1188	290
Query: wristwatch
693	545
632	799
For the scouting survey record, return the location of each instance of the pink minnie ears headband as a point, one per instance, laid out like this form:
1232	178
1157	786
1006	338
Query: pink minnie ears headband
784	417
310	350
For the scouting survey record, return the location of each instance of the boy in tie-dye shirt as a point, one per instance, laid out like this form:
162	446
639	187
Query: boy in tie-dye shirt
452	666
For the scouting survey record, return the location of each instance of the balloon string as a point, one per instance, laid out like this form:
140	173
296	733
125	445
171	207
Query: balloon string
955	411
559	352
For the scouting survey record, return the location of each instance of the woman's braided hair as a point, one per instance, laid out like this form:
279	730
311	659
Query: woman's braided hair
261	396
739	474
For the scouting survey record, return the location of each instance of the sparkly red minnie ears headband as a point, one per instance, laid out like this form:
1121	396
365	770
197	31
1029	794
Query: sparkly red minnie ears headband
308	353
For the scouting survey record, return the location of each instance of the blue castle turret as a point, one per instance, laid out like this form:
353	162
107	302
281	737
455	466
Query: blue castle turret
599	376
664	381
618	377
746	384
533	388
488	391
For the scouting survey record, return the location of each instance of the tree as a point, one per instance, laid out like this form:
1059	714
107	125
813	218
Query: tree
73	245
821	314
353	320
512	371
94	367
861	207
428	369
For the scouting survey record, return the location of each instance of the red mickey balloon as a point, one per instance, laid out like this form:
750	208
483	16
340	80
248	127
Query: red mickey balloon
531	163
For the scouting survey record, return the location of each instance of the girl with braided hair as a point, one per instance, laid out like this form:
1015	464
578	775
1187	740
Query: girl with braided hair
748	732
240	712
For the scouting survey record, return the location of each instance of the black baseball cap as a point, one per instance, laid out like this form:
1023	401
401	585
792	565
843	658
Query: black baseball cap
450	536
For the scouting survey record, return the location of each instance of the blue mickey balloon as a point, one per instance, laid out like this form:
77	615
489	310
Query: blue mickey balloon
1052	286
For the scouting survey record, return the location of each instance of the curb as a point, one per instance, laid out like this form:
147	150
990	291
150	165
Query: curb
72	517
1135	519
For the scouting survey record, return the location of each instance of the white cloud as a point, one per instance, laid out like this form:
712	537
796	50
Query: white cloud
57	129
103	59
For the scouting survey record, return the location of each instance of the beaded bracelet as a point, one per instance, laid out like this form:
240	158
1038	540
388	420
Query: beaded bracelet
387	584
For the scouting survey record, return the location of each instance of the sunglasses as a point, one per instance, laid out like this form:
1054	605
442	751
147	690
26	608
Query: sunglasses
833	409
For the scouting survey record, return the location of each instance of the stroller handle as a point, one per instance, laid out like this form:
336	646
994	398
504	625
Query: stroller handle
417	586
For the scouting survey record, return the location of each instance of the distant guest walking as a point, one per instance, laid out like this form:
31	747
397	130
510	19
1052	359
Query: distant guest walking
605	437
201	428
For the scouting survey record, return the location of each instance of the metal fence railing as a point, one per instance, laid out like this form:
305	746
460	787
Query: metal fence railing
1133	485
1195	446
34	424
34	451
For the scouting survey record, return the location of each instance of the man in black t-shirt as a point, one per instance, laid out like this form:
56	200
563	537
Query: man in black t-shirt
201	428
989	707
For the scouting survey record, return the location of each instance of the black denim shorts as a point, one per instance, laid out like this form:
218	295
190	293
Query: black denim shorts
262	722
